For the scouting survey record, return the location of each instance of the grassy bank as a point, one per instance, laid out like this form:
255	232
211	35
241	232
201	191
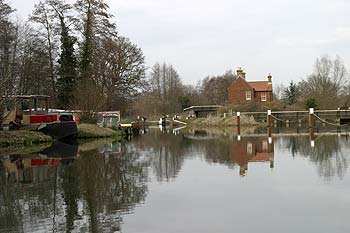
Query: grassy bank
22	137
94	131
19	138
24	149
222	122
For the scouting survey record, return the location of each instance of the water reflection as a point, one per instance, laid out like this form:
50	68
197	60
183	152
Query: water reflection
166	153
85	192
91	186
252	150
330	153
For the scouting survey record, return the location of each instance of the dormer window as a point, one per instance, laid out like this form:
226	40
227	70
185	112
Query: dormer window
248	95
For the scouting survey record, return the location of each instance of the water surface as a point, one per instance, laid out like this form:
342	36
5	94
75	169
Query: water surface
190	181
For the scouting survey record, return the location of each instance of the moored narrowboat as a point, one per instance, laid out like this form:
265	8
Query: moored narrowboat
32	112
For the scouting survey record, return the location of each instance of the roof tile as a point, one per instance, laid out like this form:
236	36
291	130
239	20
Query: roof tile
261	86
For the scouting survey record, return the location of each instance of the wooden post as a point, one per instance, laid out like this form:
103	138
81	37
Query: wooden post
239	125
30	106
269	121
269	132
270	144
297	120
269	118
47	105
311	118
312	127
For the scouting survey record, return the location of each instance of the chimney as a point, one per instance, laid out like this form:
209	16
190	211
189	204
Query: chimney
269	79
240	73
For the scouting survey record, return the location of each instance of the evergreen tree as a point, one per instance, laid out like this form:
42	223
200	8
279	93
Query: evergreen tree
311	103
291	93
67	80
96	27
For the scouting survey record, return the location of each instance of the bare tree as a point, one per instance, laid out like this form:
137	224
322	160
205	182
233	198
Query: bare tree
166	88
121	70
44	17
8	47
32	61
89	99
214	89
326	83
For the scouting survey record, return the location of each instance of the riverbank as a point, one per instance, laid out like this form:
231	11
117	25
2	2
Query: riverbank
86	131
27	138
23	137
223	121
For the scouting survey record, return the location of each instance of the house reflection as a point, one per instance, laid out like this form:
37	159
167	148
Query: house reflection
252	150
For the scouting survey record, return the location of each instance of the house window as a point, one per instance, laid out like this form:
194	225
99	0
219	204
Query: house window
263	97
248	95
265	145
249	148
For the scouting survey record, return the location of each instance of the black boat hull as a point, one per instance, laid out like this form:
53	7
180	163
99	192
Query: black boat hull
61	130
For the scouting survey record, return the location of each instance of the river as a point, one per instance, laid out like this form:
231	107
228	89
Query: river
180	181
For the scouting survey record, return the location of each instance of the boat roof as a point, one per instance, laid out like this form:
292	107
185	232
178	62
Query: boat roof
27	97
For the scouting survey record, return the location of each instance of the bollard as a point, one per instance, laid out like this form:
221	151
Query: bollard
312	143
269	132
269	118
239	125
311	118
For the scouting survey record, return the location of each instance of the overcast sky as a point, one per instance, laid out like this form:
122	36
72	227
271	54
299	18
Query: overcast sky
208	37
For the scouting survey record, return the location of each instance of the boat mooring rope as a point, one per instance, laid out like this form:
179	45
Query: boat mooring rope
285	121
330	123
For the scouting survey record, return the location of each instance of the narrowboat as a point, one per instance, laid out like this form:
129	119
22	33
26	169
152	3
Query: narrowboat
32	112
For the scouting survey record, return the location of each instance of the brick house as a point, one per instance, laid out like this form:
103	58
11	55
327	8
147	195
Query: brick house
244	92
251	150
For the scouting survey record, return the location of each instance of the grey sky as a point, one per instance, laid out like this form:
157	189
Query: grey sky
206	37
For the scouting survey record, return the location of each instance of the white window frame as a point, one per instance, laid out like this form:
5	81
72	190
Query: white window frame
263	97
248	95
265	145
249	148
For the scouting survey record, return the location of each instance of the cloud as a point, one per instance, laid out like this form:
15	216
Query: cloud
202	37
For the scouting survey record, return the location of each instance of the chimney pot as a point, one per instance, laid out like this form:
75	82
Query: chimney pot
269	78
240	73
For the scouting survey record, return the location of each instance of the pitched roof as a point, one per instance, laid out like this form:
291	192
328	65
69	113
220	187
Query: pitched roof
261	85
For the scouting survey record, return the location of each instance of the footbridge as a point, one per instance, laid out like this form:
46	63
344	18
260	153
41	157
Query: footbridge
197	110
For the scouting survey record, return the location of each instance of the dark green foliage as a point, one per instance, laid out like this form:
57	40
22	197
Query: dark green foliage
311	103
185	101
291	94
96	28
67	80
86	57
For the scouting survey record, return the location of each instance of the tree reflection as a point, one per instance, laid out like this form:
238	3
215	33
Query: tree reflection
330	154
10	217
90	189
88	193
167	153
27	192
